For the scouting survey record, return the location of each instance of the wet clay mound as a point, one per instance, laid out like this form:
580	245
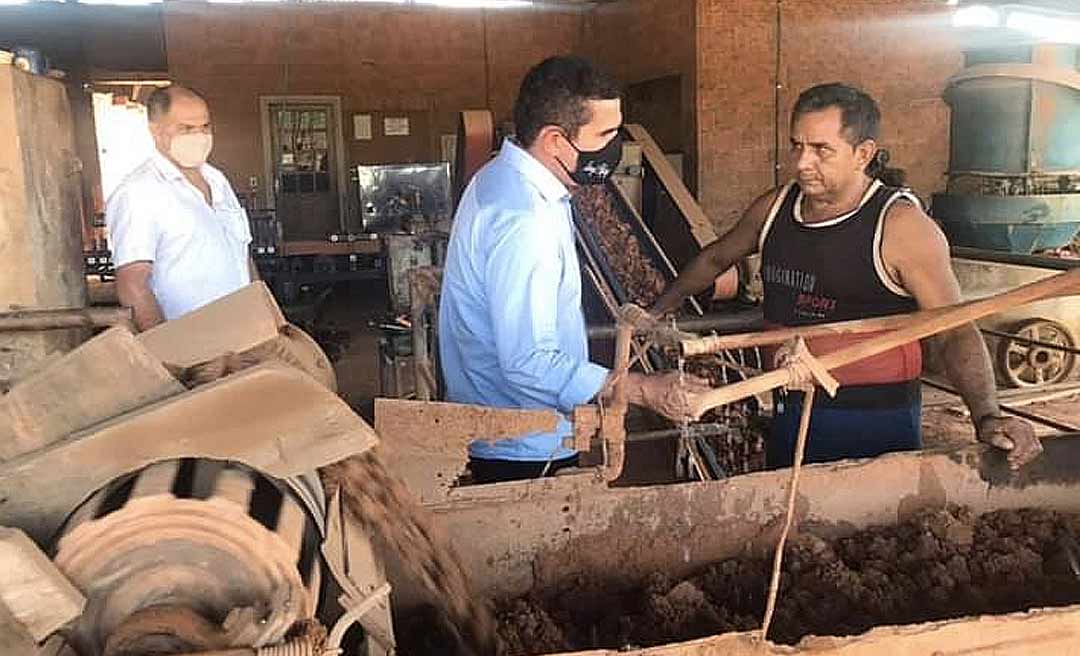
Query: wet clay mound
942	564
635	271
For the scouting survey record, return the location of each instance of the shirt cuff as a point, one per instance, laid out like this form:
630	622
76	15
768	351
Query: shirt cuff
586	383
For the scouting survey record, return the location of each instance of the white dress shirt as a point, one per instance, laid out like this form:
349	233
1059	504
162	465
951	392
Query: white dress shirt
199	250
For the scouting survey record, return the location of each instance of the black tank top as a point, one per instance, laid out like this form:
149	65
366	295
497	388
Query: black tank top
831	270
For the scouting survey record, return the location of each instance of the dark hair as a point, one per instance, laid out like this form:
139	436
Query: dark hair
554	92
859	117
159	102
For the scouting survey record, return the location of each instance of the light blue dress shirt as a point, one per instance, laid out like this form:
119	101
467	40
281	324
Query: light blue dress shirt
511	328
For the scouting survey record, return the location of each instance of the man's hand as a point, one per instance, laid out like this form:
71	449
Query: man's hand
665	394
789	356
641	319
1010	434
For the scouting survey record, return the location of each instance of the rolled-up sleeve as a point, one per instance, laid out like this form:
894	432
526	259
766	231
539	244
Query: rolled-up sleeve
133	233
523	273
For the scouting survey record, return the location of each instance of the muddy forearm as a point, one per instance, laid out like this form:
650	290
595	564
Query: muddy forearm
967	364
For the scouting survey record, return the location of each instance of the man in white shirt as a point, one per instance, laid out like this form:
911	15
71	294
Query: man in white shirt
178	233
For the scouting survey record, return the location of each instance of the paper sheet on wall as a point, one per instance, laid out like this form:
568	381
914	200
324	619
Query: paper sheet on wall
362	127
396	126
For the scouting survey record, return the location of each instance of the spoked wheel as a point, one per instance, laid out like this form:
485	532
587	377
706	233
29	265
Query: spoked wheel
1030	365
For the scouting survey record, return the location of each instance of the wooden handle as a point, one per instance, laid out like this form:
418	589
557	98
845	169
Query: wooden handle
920	325
718	343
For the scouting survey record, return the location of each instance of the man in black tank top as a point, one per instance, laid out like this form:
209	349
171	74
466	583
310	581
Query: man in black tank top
841	243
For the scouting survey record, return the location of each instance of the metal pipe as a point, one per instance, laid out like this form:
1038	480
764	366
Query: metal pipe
1045	421
34	320
1031	342
739	321
1000	257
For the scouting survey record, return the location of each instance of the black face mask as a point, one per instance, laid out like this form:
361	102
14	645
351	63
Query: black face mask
594	167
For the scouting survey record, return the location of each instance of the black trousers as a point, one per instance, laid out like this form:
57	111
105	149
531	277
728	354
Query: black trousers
496	471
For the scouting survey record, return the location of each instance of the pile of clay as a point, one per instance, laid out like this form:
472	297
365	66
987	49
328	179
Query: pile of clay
943	563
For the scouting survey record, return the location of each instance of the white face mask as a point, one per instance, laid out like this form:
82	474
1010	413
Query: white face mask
191	150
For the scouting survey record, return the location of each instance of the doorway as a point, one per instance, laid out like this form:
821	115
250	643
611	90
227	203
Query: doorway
304	162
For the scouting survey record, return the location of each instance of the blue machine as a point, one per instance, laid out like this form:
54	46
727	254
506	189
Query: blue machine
1014	164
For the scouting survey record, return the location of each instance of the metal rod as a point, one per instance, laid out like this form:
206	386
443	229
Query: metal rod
1031	342
695	430
1001	257
1045	421
739	321
58	319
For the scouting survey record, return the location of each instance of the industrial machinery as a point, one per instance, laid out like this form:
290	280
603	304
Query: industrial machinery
396	197
409	206
171	476
1019	191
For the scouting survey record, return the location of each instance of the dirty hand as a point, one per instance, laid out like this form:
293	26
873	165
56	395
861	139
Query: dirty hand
789	356
638	317
667	395
1010	434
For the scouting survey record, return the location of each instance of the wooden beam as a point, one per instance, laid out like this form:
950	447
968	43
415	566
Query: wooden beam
701	227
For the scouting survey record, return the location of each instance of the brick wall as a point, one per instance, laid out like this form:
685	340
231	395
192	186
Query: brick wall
425	63
641	40
900	51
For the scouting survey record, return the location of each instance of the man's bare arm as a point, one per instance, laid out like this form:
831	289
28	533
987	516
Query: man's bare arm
253	270
718	256
916	255
133	289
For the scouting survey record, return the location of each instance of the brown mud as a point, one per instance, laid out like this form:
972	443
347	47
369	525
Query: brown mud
942	564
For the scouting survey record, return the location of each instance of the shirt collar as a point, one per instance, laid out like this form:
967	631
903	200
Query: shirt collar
550	187
171	171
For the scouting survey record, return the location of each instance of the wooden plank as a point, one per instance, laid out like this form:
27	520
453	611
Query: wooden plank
270	417
700	225
34	591
921	326
437	427
106	376
246	318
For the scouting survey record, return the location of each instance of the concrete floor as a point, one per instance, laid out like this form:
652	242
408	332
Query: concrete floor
345	329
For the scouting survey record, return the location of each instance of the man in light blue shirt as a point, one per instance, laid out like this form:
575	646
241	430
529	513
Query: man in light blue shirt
511	328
